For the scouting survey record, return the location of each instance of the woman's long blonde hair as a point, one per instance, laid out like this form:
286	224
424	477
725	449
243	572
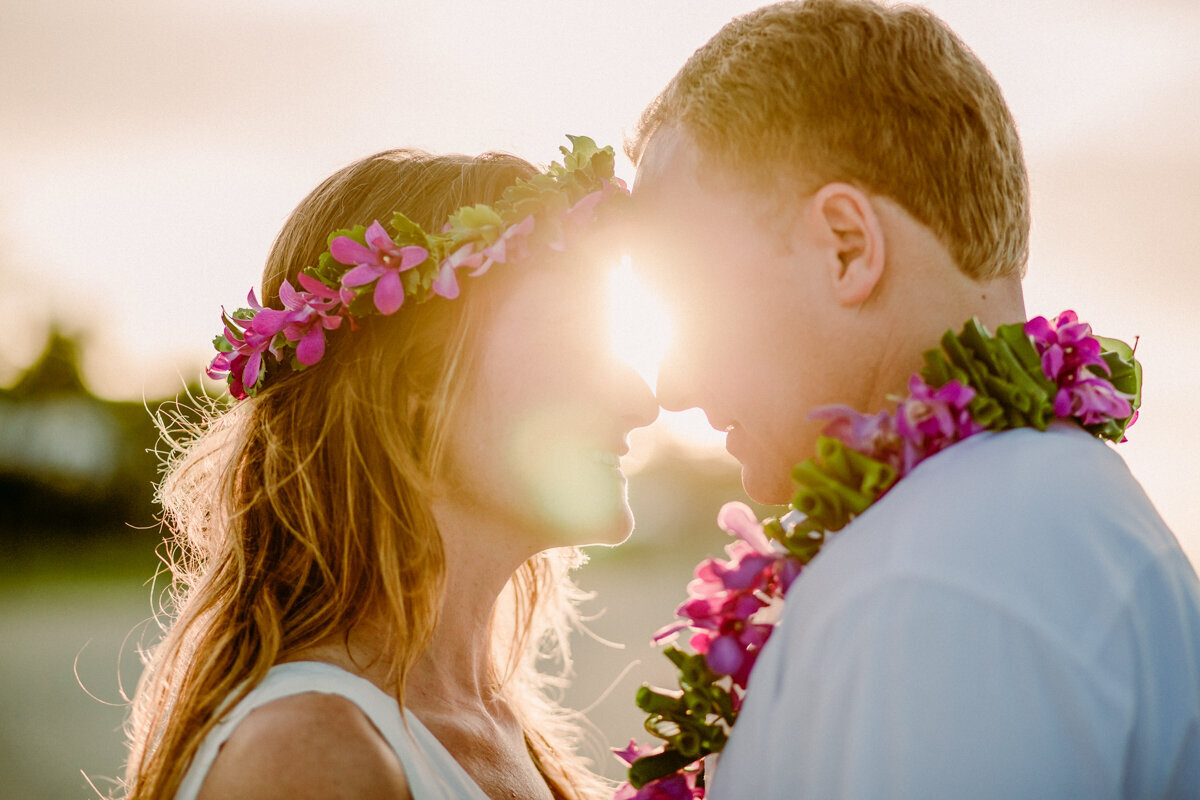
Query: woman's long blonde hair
297	513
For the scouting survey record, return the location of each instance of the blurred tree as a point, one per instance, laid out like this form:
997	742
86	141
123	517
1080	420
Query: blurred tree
71	464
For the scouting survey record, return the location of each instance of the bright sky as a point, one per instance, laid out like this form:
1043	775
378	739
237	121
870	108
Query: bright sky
149	152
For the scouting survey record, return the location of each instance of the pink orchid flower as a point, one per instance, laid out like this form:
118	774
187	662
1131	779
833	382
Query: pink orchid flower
584	209
726	595
1065	344
633	751
1092	400
244	363
738	519
930	420
676	786
308	316
380	262
446	282
511	245
874	435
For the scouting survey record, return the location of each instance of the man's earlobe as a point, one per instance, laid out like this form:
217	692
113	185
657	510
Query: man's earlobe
854	242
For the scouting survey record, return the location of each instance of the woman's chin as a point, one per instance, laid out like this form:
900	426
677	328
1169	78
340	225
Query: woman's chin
618	532
595	525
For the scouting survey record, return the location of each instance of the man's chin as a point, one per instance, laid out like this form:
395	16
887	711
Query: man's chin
768	485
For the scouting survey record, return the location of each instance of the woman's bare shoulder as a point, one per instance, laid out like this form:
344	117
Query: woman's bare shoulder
309	745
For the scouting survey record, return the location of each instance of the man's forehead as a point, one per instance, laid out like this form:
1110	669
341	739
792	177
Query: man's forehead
670	158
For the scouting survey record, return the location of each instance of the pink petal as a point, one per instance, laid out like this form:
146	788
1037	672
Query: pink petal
724	655
311	347
411	256
218	367
1052	362
1062	403
389	293
586	204
738	519
497	250
251	370
289	296
1039	328
446	283
316	287
1067	317
464	256
347	251
362	275
269	321
378	239
253	301
522	228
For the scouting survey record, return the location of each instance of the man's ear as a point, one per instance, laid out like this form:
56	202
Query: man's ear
850	236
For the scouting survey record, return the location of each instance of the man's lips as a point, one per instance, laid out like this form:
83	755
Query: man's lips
734	437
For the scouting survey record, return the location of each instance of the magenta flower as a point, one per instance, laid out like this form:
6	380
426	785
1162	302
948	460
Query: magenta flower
676	786
930	420
737	519
244	363
511	245
579	214
1066	345
1068	350
1091	400
446	282
633	751
725	595
874	435
380	262
304	318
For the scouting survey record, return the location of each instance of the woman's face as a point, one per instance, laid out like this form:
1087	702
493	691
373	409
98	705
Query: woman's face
540	430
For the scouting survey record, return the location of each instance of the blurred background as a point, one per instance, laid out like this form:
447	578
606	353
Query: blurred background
149	152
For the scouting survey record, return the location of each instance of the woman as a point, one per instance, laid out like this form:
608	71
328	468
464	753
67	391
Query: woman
373	542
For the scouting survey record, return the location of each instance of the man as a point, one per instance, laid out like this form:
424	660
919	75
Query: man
829	186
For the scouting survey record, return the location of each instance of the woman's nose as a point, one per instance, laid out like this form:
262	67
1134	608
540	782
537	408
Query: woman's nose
635	401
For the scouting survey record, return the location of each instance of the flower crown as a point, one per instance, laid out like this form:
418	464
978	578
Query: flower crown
366	271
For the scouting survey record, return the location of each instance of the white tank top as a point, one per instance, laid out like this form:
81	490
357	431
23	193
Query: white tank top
431	771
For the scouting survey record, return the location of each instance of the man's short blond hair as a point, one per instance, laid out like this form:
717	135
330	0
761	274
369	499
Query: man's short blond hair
799	94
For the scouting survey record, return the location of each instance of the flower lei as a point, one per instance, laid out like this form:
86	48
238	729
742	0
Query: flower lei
1022	376
366	271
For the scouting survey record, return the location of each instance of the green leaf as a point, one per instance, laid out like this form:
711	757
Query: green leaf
407	232
659	701
358	233
659	765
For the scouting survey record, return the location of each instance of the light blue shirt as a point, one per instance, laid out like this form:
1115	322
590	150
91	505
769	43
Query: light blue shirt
1013	620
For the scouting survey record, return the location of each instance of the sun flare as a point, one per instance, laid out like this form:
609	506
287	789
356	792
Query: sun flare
639	325
641	330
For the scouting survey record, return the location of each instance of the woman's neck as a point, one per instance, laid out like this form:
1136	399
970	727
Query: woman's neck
455	668
453	673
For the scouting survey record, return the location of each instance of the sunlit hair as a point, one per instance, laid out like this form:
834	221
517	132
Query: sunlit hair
306	510
800	94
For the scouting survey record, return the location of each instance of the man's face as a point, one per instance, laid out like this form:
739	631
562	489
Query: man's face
755	347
